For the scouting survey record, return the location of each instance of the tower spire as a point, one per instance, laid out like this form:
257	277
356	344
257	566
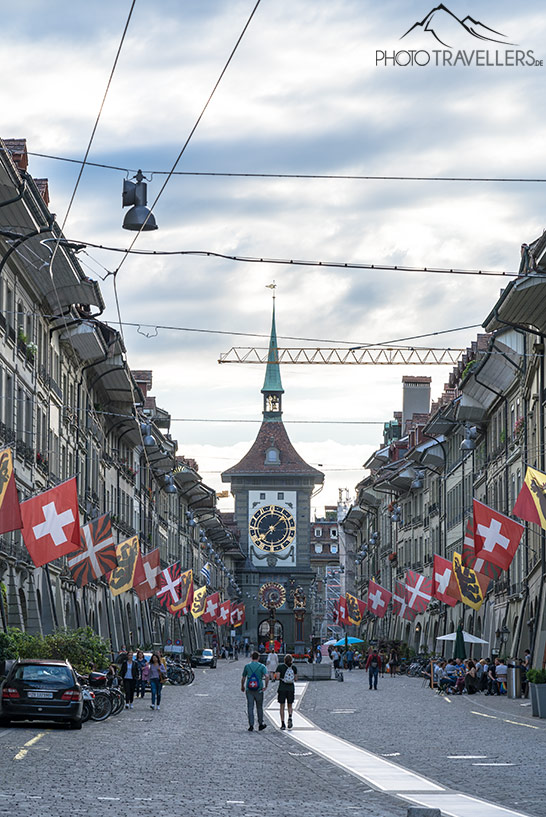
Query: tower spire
272	388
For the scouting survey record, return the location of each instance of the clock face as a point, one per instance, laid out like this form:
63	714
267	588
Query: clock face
272	528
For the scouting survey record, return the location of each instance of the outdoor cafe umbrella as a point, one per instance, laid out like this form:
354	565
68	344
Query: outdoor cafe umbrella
348	640
459	651
467	638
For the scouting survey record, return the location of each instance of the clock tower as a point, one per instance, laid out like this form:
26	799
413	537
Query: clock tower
272	486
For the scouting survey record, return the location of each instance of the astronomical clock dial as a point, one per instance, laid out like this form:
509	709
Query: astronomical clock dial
272	595
272	528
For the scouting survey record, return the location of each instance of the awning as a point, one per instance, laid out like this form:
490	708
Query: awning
523	302
429	453
86	339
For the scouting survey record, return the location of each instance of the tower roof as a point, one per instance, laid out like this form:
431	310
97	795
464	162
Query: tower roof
272	435
272	382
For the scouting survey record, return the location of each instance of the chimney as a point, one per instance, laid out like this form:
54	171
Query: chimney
18	151
43	187
415	397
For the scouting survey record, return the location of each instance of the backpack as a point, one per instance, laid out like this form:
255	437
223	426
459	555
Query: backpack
253	682
289	676
374	664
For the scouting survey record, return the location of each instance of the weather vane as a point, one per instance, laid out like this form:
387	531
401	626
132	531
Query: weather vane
273	287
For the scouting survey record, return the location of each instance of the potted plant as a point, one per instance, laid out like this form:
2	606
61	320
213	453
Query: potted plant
537	687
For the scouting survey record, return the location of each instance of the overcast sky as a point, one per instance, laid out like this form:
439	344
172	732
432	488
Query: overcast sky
302	95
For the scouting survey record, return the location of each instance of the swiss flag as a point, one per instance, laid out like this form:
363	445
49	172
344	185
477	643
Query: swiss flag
146	574
469	555
399	605
343	618
211	608
418	591
51	523
378	599
496	537
444	584
238	615
224	613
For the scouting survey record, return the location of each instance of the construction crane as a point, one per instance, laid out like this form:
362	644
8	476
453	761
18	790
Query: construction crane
362	356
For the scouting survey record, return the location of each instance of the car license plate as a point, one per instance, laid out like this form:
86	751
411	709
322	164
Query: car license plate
40	694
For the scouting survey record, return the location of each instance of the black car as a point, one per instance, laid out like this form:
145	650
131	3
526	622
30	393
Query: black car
39	689
200	658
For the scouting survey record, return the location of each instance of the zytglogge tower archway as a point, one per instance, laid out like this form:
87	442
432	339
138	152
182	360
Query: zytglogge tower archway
272	486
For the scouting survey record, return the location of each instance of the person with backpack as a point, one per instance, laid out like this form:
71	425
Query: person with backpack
373	665
286	675
252	682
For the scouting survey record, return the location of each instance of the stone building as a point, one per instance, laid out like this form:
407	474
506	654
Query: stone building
71	406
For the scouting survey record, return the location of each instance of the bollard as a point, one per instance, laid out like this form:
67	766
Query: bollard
418	811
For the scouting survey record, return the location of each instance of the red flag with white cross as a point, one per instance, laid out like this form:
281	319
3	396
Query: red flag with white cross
418	591
496	537
378	599
399	605
146	574
343	617
168	585
470	559
212	604
224	613
443	581
51	523
238	615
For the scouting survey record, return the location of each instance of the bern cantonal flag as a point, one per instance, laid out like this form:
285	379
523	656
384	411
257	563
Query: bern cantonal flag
238	614
418	591
212	604
399	604
51	523
472	586
98	554
471	560
147	571
355	608
10	513
444	584
531	502
496	536
199	599
224	613
378	599
121	578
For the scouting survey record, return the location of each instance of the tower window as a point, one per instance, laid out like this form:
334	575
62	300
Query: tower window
262	496
318	531
272	456
280	495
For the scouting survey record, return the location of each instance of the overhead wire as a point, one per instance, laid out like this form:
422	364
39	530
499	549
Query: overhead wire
326	176
188	139
291	262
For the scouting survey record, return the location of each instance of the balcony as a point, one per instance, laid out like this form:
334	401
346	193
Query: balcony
42	464
7	435
24	452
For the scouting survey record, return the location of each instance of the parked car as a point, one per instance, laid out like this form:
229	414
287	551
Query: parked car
40	689
203	658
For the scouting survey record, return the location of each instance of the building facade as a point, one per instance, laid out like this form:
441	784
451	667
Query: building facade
71	406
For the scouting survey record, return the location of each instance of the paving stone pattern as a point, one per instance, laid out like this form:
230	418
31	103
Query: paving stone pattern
406	717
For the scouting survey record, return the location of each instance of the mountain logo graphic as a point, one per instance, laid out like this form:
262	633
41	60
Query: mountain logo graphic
448	30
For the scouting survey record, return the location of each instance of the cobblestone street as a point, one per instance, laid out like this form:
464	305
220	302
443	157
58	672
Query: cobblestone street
196	756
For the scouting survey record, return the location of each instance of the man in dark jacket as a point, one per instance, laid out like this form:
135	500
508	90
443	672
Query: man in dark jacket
373	665
130	674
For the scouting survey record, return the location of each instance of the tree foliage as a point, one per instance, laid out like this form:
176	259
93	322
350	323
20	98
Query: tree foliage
81	647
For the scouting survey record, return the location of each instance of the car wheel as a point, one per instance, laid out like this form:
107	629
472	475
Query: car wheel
75	724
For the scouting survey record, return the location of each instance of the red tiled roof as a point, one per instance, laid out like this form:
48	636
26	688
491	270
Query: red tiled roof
272	435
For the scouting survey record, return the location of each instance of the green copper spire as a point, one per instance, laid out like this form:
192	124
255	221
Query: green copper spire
272	389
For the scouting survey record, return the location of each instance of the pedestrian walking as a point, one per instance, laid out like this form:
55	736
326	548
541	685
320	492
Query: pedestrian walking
272	662
286	675
350	656
155	673
318	658
130	673
394	662
384	661
373	665
335	658
141	683
254	681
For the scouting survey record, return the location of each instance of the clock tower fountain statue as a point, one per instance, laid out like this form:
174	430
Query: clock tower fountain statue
272	486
